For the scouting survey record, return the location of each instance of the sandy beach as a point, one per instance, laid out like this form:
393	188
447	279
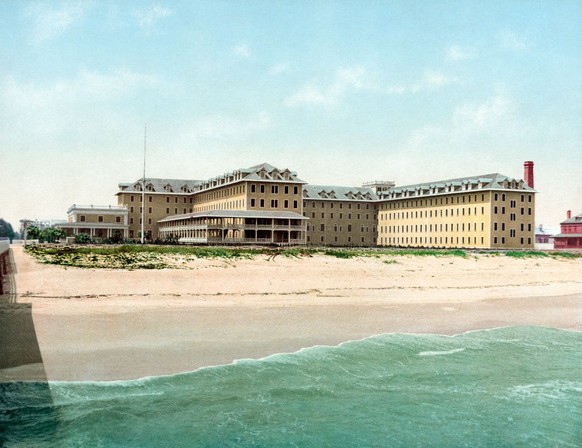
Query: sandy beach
103	324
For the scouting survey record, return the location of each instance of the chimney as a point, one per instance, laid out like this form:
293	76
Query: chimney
528	173
568	214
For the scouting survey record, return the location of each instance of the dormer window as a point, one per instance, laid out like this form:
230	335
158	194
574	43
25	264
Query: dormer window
185	189
149	187
137	187
168	188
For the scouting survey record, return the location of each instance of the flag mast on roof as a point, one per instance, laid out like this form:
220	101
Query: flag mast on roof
143	185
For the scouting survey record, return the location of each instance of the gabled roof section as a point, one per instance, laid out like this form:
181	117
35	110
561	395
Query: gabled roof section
262	172
493	181
329	192
157	185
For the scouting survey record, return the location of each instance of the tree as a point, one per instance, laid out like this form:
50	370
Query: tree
82	238
32	233
52	234
6	230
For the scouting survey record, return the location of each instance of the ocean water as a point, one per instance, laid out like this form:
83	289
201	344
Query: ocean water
519	386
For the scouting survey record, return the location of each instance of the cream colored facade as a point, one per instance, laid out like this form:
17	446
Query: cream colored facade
491	211
487	212
340	216
99	222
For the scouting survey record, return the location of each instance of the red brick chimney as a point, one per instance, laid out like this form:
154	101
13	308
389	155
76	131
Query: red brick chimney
528	173
568	214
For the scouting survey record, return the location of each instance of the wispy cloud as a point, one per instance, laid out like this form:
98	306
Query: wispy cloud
346	79
431	80
357	79
458	53
56	108
510	40
242	51
470	121
218	127
147	18
48	22
279	69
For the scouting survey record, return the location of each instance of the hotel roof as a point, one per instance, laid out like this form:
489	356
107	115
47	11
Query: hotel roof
329	192
236	214
494	181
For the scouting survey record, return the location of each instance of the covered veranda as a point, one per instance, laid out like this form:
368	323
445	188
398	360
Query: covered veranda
235	227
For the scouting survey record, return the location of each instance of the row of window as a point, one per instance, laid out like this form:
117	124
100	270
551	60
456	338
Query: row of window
341	215
502	227
274	189
222	193
322	239
429	240
151	199
83	218
331	204
522	198
274	203
339	228
460	199
428	228
512	216
429	213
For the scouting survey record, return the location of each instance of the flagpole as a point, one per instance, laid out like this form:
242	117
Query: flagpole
143	204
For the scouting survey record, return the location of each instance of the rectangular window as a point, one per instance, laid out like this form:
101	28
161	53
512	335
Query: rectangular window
295	190
131	198
262	188
294	204
118	219
253	188
252	202
167	198
82	218
322	227
99	218
262	203
274	189
149	198
168	210
286	189
286	203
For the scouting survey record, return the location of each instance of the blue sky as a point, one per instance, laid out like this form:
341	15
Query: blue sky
341	92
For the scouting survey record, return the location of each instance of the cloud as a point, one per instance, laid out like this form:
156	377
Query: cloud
221	127
493	118
59	107
457	53
346	79
512	41
50	22
357	79
431	80
147	18
242	51
279	69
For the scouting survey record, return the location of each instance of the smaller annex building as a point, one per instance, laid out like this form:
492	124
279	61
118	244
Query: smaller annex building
99	222
570	236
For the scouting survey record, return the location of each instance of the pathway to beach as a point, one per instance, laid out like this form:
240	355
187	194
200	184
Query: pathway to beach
115	324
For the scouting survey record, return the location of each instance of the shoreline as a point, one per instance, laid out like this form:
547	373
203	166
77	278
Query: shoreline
111	325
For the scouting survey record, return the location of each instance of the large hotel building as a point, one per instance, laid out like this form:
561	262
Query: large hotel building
267	205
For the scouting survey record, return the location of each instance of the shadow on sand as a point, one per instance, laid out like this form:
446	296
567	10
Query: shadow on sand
27	413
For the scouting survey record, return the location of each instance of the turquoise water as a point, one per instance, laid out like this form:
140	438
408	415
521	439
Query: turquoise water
518	386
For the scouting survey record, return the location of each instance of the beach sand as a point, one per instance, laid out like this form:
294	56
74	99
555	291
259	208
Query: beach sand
114	324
